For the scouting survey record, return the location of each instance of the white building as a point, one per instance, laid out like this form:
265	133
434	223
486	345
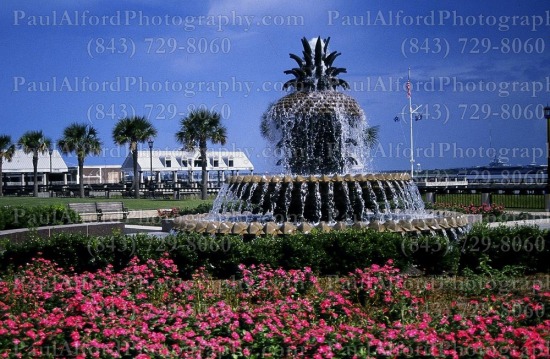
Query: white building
52	169
163	166
96	174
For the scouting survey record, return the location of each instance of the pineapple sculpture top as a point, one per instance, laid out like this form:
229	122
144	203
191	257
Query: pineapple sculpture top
316	129
315	71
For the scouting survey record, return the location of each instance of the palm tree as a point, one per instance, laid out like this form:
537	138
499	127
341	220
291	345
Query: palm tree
83	140
199	127
7	149
133	130
371	136
34	142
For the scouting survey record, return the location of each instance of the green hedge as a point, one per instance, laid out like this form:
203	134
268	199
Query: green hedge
200	208
525	246
13	217
326	253
334	253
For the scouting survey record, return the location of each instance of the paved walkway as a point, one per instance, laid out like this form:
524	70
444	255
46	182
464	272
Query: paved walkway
143	213
150	230
132	229
542	223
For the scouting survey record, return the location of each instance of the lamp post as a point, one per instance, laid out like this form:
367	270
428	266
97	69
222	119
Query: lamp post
150	143
50	151
547	192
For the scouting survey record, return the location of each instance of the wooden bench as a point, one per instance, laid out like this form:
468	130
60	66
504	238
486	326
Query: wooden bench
99	209
104	208
86	209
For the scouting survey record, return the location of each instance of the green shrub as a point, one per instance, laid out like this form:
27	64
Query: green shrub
2	219
201	208
333	253
526	246
68	250
348	250
488	280
13	217
433	254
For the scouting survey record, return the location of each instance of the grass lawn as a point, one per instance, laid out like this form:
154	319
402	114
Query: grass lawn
130	203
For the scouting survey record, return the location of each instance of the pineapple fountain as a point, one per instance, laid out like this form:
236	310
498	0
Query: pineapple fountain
323	136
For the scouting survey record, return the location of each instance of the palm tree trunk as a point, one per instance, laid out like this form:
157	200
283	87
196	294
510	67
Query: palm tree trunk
35	172
1	178
136	178
204	162
81	176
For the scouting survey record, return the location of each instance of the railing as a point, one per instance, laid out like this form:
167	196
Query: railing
454	182
177	191
524	199
457	198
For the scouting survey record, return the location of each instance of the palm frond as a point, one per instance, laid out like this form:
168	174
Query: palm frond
7	148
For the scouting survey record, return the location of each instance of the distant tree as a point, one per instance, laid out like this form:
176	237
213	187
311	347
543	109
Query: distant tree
83	140
199	127
371	136
7	149
133	130
34	142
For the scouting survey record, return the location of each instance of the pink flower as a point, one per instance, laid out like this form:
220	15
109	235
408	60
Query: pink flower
31	334
247	337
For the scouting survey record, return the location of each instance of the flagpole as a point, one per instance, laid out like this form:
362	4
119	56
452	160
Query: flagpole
412	111
411	120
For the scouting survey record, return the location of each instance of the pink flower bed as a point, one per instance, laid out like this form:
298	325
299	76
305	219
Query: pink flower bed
145	311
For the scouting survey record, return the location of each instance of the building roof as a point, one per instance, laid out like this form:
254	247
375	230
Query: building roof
22	163
186	161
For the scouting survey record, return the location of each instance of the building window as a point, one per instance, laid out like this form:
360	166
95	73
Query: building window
198	163
168	163
230	163
216	163
184	163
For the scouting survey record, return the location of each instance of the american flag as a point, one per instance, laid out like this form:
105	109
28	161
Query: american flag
408	88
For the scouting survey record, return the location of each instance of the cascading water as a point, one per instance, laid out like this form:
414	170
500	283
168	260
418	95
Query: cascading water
319	198
360	201
311	144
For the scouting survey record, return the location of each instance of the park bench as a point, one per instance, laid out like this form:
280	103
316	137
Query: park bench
99	209
112	208
86	210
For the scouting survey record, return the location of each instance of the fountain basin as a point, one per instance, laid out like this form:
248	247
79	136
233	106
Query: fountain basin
436	223
324	198
284	204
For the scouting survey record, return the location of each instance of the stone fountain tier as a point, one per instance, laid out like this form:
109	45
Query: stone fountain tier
315	102
329	198
285	204
322	178
446	222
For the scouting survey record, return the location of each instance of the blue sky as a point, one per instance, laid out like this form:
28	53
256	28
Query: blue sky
480	70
